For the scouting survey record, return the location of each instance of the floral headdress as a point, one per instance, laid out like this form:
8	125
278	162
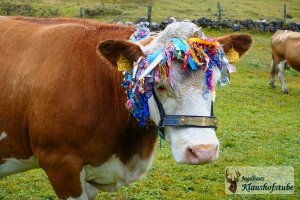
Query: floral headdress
195	53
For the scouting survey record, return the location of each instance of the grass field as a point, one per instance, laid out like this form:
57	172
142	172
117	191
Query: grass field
258	126
130	10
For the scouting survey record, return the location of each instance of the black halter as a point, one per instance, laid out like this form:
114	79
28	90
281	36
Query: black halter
185	120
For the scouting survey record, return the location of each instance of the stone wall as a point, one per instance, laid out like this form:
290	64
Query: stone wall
234	25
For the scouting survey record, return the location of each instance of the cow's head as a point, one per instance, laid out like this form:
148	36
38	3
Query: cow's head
184	94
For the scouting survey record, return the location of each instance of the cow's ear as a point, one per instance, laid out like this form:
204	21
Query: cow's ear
114	50
240	42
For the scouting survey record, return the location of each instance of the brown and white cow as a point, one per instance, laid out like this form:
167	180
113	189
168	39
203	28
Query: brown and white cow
62	106
285	50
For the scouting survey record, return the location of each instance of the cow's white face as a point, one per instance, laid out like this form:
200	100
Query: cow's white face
188	145
186	97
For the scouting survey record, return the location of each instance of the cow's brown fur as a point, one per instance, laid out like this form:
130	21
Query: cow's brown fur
285	47
239	41
61	100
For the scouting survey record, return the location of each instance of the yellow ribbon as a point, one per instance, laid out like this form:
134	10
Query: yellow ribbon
199	40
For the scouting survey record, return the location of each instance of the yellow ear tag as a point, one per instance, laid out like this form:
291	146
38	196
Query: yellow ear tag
232	56
123	64
196	34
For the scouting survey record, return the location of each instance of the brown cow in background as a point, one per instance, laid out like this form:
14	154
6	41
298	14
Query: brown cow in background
285	50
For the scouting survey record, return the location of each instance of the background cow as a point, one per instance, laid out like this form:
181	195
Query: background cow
62	106
285	50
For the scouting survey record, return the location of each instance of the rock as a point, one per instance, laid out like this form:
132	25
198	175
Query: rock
141	19
214	24
196	22
154	26
128	23
261	27
164	24
226	24
263	21
293	26
204	22
236	27
144	24
272	28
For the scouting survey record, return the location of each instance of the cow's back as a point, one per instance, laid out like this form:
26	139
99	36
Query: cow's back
55	85
286	46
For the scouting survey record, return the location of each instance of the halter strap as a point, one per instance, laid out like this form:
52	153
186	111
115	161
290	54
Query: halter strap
185	120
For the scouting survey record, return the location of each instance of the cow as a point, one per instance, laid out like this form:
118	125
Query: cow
285	50
62	107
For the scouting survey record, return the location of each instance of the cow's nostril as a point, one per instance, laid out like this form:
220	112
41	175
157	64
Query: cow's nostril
191	154
202	153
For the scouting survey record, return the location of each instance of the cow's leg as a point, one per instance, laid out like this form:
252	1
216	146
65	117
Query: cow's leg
65	175
88	191
281	67
272	73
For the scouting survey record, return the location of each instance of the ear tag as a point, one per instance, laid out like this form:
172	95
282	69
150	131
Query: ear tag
196	34
124	64
232	56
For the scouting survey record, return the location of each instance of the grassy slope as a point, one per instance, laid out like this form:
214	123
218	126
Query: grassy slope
259	126
188	9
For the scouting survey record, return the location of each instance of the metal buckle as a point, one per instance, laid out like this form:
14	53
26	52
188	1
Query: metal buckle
198	121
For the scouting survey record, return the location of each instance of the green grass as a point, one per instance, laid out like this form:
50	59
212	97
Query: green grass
130	10
258	126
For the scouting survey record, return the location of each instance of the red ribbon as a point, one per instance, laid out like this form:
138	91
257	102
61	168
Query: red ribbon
186	58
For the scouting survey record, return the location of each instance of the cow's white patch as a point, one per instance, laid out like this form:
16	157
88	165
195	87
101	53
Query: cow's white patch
91	191
13	166
281	67
3	135
113	174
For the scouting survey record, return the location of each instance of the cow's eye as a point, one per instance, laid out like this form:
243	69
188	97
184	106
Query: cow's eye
162	88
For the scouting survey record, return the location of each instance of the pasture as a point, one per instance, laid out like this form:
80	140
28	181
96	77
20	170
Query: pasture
130	10
258	126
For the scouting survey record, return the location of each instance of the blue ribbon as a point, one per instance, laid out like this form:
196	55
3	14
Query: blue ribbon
184	47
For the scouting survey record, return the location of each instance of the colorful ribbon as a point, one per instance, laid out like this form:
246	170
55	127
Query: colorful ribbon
196	53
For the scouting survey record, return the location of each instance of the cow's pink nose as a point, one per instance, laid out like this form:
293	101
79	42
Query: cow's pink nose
203	153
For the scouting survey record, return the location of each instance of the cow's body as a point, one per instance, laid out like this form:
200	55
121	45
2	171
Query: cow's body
285	50
62	106
65	102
